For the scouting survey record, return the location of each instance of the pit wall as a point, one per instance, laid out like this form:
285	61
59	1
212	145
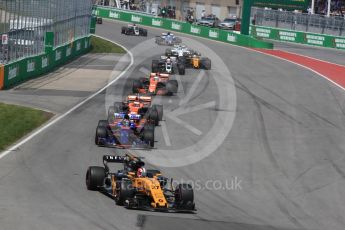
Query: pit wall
28	68
183	27
285	35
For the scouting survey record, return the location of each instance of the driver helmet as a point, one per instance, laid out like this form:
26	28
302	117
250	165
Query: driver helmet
141	172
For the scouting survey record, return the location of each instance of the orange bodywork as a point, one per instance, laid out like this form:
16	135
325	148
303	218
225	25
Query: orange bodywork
147	186
135	103
151	187
196	62
154	79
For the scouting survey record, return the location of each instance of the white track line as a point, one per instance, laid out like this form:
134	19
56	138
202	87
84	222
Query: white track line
181	111
242	47
52	122
165	134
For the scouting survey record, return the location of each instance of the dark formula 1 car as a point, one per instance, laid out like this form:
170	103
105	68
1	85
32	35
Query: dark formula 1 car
134	187
130	124
170	65
190	58
156	84
133	29
99	20
168	39
124	134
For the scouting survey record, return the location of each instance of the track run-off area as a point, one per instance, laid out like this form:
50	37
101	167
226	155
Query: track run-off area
261	138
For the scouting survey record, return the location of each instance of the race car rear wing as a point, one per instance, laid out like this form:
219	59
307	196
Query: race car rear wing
145	98
165	34
114	159
161	75
141	98
120	159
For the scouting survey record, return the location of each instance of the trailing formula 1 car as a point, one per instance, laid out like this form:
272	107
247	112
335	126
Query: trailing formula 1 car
156	84
134	187
169	65
168	39
130	124
133	29
124	133
190	58
139	108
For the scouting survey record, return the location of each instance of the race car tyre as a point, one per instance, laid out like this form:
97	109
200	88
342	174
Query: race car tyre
137	84
144	33
155	66
168	52
175	83
184	197
111	112
101	133
123	30
182	60
124	191
102	123
171	88
149	127
94	177
181	69
159	109
153	116
149	137
206	63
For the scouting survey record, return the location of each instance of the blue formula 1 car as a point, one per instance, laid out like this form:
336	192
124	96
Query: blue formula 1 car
168	39
125	132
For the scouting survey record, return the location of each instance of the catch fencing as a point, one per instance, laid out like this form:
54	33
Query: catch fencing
302	22
24	23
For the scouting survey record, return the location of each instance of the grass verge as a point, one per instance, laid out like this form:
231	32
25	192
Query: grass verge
99	45
17	121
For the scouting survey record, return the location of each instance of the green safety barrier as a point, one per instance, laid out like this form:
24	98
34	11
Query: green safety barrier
183	27
31	67
298	37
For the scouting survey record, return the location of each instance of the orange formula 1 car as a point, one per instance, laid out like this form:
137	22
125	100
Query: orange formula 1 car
138	108
156	84
137	188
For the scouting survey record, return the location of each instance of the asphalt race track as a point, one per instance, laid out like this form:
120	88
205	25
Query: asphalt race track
261	138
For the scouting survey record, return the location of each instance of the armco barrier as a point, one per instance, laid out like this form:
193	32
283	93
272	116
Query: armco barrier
31	67
183	27
298	37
